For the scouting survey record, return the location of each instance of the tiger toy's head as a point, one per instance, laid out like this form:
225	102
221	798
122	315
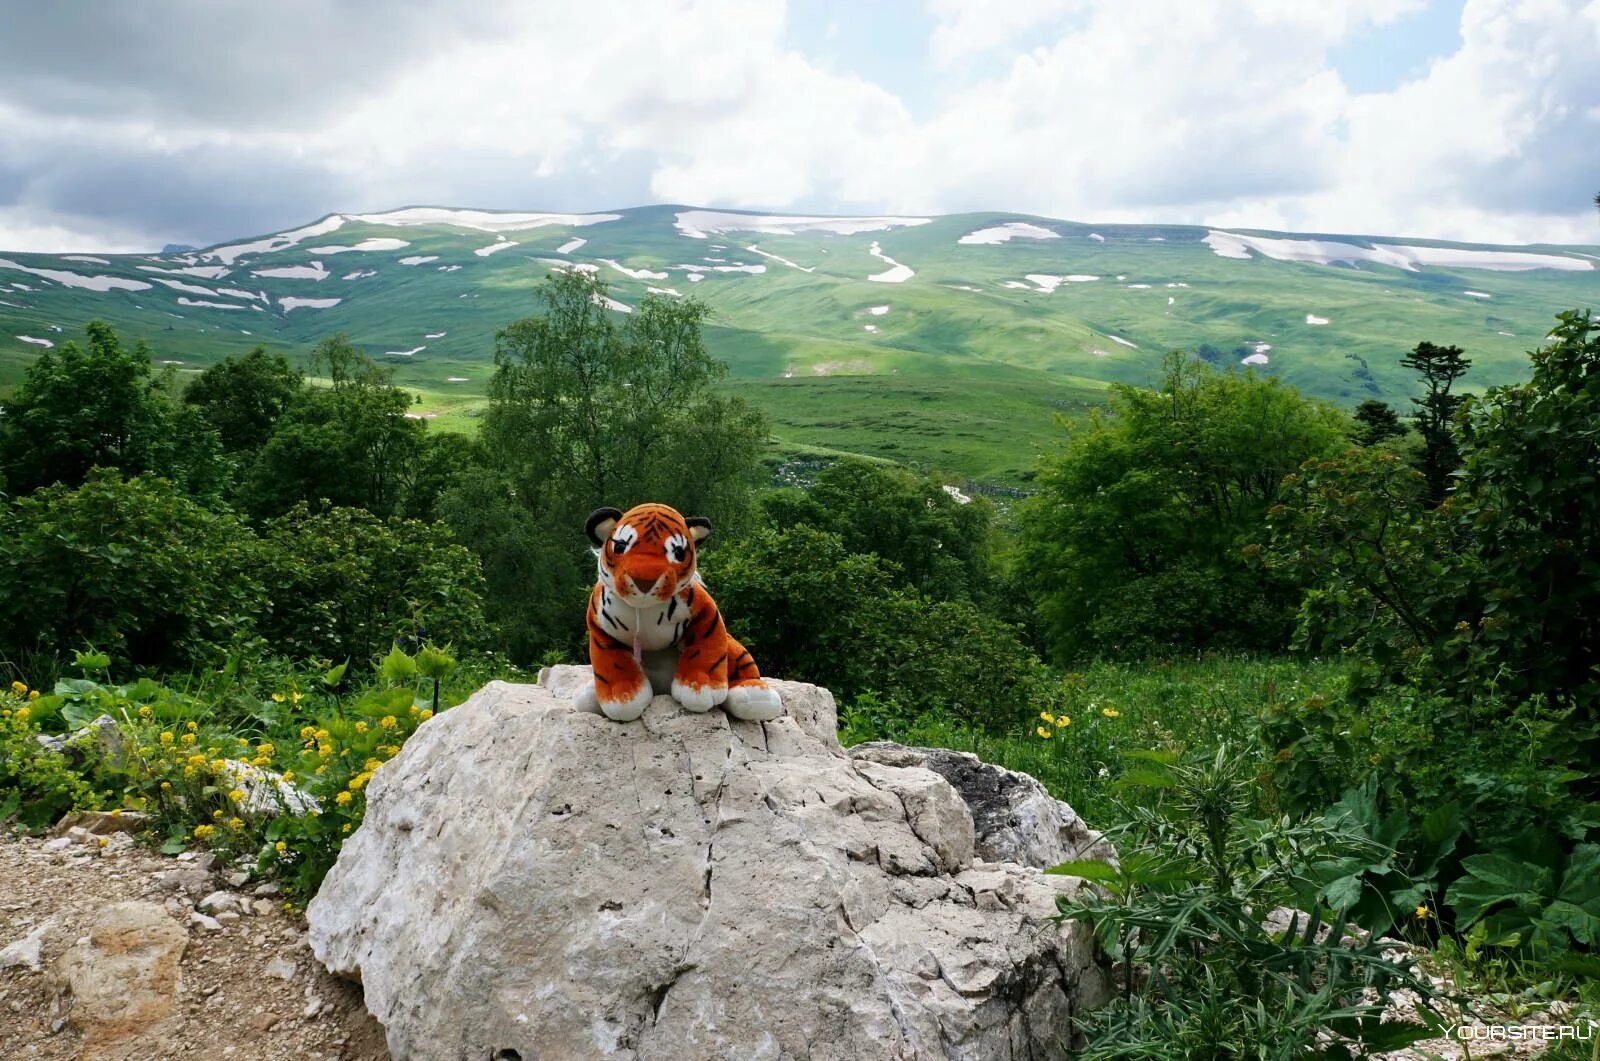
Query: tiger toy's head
646	553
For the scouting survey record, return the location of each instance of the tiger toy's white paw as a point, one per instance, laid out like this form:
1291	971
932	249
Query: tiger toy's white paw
754	703
698	700
628	710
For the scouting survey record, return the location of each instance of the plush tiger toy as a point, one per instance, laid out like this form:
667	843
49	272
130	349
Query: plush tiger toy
652	623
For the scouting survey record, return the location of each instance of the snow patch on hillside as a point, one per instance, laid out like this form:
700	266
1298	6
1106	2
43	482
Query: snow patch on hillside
610	303
1048	282
278	242
179	285
314	271
91	259
184	300
570	246
777	258
663	291
360	274
1255	359
877	311
1396	255
414	259
208	272
68	279
1120	339
413	352
495	248
634	274
46	343
699	224
895	274
1312	318
1097	237
376	243
481	220
290	304
434	335
1009	231
1478	294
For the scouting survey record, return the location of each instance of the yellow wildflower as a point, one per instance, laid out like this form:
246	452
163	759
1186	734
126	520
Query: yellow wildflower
187	739
1044	734
1048	717
23	714
295	697
277	698
308	732
219	765
191	726
188	771
415	709
196	760
361	727
216	815
237	795
372	764
359	781
321	734
235	824
144	710
342	798
346	828
1110	712
203	831
1062	721
19	688
166	738
288	775
265	748
427	713
166	786
388	722
1423	913
33	694
281	848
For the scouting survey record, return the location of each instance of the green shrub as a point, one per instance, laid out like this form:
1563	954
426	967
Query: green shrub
128	564
343	584
1183	912
1133	543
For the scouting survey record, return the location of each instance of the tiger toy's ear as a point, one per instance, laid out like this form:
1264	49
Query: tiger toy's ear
600	524
699	528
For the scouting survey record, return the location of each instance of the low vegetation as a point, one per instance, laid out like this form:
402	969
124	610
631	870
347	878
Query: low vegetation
1289	657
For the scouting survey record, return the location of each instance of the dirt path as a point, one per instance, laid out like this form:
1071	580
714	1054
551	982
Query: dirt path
246	989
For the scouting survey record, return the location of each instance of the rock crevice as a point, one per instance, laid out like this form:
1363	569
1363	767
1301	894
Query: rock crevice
687	886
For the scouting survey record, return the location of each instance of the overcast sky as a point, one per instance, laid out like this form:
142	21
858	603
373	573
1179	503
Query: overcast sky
128	125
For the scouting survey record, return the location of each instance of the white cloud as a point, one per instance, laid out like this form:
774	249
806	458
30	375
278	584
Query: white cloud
1201	111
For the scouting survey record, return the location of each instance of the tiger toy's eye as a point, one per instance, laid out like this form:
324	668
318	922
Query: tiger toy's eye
623	539
677	548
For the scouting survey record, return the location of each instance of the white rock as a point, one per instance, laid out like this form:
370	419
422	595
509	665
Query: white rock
218	901
534	878
124	977
26	953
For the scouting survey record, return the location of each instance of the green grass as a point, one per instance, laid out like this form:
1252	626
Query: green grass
1178	705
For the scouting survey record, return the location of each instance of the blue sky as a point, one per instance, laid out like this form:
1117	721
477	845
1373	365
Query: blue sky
194	121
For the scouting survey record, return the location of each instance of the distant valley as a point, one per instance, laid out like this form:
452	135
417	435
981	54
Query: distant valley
947	342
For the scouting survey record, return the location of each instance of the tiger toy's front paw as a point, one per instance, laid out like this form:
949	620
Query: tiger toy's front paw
630	709
754	703
698	698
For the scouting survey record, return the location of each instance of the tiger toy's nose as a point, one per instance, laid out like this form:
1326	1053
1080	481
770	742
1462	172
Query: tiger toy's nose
644	585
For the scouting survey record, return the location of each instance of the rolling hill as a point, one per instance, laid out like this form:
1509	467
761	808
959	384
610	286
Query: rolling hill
949	342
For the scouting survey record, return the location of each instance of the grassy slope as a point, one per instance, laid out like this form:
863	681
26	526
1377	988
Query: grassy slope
956	380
